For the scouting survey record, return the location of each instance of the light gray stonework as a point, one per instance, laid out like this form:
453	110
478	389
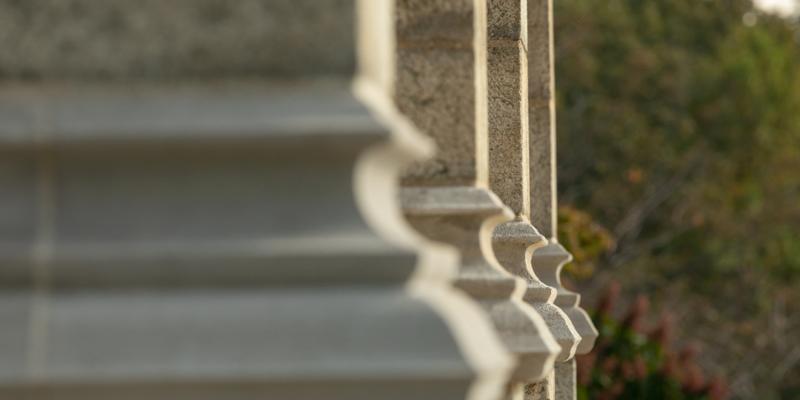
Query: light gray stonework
166	249
218	237
464	217
542	390
288	199
448	201
90	40
507	70
567	380
548	261
439	68
541	103
514	241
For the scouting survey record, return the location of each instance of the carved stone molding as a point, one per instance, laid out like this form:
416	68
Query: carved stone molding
442	59
514	244
230	239
465	217
548	260
508	160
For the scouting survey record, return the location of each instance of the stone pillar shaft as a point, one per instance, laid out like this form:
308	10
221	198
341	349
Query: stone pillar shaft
541	90
549	260
443	90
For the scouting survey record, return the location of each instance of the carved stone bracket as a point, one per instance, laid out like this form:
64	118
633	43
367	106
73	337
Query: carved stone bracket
549	261
514	243
465	217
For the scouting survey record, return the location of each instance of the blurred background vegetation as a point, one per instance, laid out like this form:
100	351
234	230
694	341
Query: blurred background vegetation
679	172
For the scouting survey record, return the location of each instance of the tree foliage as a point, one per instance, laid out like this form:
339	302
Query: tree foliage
679	129
679	132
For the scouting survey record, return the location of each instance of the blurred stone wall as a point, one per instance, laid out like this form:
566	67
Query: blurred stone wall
174	39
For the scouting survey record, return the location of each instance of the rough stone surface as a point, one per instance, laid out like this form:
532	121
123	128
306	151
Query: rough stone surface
15	314
436	85
17	198
175	39
505	19
173	226
566	381
507	97
442	21
540	61
508	161
542	116
199	240
548	261
436	91
543	390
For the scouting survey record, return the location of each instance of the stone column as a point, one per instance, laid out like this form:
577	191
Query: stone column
509	167
442	88
548	260
184	229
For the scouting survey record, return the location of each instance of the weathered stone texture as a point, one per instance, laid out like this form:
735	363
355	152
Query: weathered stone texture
436	92
566	381
508	104
436	85
459	216
548	261
234	235
440	21
180	217
175	39
543	390
542	116
506	20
